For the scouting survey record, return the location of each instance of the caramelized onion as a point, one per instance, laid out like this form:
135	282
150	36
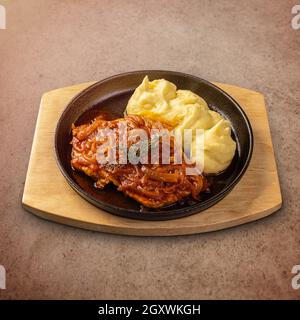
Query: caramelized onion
153	185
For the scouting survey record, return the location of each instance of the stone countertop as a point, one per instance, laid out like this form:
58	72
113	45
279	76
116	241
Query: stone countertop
52	43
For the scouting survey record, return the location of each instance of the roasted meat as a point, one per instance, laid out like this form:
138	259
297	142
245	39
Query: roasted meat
152	185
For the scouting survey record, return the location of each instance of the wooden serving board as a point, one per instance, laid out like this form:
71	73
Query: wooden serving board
49	196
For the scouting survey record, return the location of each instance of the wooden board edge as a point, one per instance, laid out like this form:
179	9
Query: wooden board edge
32	151
154	232
72	87
233	87
272	147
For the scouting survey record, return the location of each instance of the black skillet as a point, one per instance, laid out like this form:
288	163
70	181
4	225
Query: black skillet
111	95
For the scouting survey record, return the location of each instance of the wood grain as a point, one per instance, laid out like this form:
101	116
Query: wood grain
49	196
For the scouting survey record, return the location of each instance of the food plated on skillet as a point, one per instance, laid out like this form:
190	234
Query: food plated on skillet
155	105
183	109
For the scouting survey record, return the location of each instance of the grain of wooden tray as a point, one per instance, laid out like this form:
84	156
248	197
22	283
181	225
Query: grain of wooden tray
49	196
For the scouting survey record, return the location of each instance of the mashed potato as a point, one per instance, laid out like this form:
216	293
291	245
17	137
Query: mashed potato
183	109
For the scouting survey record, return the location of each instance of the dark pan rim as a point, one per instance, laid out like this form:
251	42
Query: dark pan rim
152	215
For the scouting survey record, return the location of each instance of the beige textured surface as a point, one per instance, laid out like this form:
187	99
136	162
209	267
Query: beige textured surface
245	203
52	43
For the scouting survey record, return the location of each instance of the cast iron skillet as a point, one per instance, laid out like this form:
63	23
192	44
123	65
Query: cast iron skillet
111	95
